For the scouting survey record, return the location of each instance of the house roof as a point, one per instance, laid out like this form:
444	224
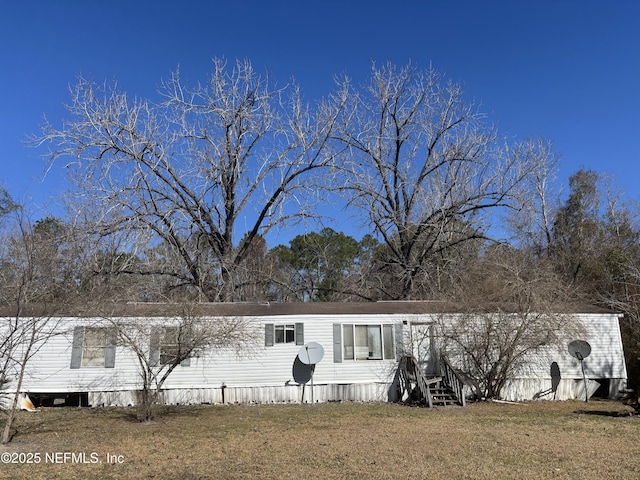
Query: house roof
141	309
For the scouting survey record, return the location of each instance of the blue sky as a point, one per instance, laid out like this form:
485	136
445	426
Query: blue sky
568	70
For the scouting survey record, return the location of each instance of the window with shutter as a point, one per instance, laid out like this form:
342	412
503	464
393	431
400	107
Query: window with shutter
283	333
364	342
169	345
93	347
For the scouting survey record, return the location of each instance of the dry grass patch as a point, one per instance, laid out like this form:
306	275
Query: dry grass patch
333	441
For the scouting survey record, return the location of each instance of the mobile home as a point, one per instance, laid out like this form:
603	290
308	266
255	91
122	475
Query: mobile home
361	348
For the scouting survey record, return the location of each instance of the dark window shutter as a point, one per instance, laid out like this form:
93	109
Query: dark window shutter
269	334
337	343
154	347
110	351
299	333
76	347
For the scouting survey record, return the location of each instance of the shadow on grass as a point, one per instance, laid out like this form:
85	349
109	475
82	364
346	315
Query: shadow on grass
607	413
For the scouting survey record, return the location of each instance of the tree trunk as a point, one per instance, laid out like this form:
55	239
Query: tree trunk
6	434
12	412
147	401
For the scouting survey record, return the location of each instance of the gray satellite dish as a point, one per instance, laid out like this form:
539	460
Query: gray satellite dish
581	349
311	353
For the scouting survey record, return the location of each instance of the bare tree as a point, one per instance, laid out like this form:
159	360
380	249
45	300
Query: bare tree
532	221
194	168
163	345
23	335
512	305
29	292
423	167
615	281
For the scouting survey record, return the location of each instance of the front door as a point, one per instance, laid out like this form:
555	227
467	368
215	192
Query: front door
422	347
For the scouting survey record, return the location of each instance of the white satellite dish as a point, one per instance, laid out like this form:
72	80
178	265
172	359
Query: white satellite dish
311	353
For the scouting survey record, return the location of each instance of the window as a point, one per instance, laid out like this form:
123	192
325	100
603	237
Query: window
285	333
364	342
93	347
292	333
168	345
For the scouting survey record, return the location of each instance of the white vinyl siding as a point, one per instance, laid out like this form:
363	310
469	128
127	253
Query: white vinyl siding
264	374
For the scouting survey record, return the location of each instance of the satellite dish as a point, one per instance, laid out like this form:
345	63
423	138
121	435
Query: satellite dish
579	349
308	356
311	353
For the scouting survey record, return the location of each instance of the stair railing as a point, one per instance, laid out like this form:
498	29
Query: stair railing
413	371
453	380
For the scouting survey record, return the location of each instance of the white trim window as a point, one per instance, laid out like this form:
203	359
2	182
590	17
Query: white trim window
367	342
286	333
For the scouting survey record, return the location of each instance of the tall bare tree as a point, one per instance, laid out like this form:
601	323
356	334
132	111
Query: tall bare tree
204	171
532	221
422	165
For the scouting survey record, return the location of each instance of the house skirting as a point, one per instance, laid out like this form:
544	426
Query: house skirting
522	389
293	393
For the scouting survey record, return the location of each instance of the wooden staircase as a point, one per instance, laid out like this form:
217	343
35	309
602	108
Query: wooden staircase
436	391
442	395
